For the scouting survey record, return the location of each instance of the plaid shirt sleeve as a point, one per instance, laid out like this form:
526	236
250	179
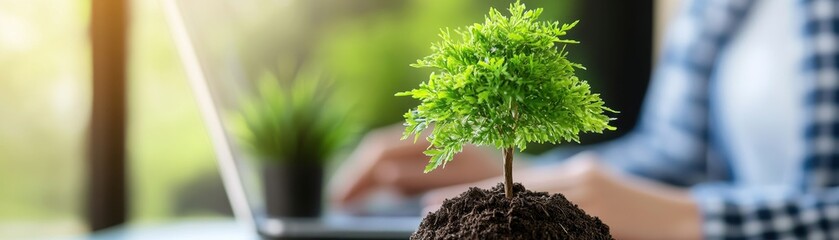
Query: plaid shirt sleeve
731	212
812	210
670	141
670	144
679	97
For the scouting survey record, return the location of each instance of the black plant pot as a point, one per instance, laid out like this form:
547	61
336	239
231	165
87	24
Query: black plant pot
292	190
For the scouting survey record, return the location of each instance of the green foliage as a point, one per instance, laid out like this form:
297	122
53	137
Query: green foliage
297	123
373	45
504	83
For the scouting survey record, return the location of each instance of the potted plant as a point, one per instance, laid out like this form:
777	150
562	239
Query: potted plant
292	128
504	83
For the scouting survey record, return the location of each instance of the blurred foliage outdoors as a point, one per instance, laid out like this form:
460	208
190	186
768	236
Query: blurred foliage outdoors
366	45
370	49
44	106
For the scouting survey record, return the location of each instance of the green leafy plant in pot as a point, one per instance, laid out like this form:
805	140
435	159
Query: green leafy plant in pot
504	83
292	128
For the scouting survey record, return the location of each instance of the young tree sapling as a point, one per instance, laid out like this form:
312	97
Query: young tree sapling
503	83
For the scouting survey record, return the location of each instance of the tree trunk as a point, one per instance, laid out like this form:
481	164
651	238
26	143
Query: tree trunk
508	172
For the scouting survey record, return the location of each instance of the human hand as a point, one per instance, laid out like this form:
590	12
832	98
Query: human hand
633	208
382	160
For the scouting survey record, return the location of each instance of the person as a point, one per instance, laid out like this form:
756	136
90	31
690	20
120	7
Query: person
737	138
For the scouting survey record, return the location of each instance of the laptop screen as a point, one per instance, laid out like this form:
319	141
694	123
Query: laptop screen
225	46
211	39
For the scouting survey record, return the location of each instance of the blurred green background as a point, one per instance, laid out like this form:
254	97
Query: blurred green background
45	95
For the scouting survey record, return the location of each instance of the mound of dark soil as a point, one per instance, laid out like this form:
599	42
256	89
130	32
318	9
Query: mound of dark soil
487	214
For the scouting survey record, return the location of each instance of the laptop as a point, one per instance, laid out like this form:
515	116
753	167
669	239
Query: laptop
212	76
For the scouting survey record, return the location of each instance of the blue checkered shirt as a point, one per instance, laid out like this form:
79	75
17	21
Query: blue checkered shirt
673	142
